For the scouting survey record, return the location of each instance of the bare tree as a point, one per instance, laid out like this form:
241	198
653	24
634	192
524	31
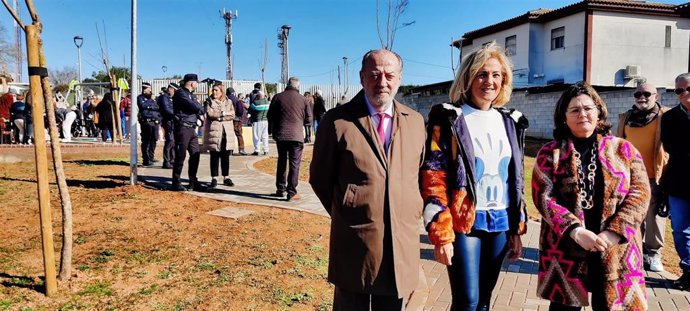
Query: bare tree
64	75
7	51
396	8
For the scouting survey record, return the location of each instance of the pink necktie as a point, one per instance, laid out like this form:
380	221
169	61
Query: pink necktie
380	129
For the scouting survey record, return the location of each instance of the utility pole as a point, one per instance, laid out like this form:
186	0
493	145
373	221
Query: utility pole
263	65
228	16
283	45
18	45
347	78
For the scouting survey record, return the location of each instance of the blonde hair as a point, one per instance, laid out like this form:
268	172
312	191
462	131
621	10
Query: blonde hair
460	90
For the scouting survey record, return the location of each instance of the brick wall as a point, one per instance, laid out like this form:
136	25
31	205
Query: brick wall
539	107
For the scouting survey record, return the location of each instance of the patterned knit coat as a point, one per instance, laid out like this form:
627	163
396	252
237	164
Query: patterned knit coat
562	276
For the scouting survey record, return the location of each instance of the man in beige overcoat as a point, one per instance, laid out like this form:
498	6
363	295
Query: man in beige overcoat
364	170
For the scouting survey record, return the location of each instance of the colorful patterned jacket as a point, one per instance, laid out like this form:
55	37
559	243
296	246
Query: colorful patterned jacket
562	274
447	174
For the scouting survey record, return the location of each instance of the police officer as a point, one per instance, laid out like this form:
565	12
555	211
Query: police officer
165	103
188	113
150	119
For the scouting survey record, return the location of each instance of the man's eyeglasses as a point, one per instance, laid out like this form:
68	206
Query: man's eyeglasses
681	90
645	94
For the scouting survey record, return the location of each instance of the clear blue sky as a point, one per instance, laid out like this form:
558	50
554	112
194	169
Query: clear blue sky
188	35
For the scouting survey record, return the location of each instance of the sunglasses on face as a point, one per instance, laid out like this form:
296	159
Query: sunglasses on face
645	94
682	90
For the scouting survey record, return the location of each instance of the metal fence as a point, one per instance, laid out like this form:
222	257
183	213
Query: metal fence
331	93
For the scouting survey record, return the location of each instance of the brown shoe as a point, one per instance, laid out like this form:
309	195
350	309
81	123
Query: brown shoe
294	197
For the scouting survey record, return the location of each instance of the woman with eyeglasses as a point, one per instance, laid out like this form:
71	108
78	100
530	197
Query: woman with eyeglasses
219	138
675	126
472	178
592	191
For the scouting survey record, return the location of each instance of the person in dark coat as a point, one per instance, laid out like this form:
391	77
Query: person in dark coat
675	124
319	109
150	119
188	112
287	115
166	106
240	119
105	116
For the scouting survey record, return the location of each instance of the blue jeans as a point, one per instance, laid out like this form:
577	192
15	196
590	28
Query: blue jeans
477	259
680	223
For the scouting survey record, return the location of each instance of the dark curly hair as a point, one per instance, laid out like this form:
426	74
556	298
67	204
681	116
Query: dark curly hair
561	130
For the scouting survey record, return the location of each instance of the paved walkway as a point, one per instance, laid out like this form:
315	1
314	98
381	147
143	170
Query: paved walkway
516	288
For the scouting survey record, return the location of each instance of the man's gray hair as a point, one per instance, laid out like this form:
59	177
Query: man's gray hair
293	82
368	55
683	77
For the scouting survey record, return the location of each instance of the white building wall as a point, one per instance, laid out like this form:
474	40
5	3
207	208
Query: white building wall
520	59
565	63
620	39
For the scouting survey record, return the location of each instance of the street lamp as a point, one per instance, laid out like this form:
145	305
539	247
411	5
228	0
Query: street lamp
78	41
164	68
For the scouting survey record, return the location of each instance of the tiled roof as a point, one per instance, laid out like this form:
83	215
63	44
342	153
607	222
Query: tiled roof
545	15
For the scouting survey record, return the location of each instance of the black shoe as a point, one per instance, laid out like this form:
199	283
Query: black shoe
279	194
228	182
255	153
683	282
147	164
198	187
293	197
178	187
214	183
242	153
265	152
167	166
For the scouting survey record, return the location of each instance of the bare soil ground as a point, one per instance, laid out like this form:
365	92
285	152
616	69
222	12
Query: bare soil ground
138	248
532	146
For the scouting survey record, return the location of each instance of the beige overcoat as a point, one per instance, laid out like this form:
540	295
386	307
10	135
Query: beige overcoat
219	115
356	181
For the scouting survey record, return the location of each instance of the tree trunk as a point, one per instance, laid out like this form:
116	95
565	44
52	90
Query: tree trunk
66	255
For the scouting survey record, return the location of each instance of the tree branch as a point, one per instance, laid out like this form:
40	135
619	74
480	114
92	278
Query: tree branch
378	28
32	11
14	15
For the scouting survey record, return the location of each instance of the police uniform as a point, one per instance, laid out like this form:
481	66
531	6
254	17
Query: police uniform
166	105
187	111
150	119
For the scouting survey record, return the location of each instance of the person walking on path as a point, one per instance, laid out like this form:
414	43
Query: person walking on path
165	103
307	127
239	121
258	110
319	109
675	126
287	114
365	173
220	113
641	126
126	110
105	116
592	191
188	115
150	120
472	178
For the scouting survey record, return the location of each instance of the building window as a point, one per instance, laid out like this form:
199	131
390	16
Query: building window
511	45
557	38
668	37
